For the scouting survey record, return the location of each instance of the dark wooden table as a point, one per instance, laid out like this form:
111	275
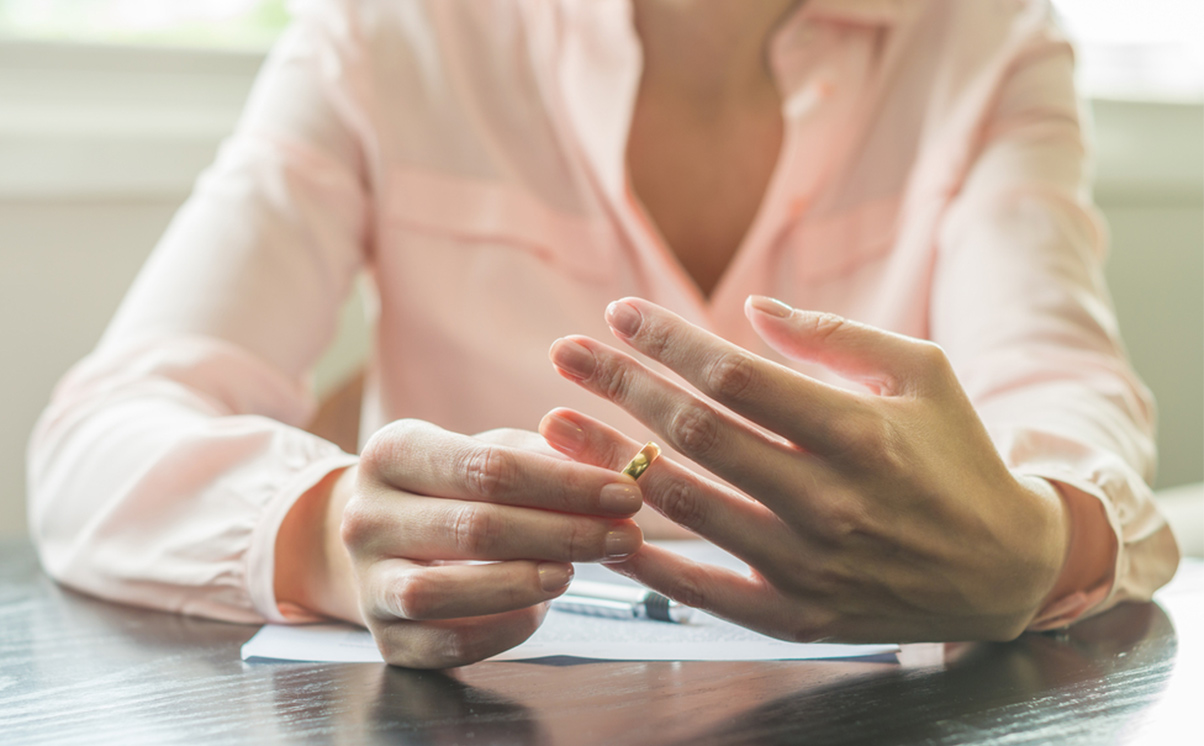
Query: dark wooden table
77	670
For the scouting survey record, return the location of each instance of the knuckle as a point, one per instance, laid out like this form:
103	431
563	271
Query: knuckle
434	648
394	643
694	430
524	593
474	529
579	543
615	381
860	434
932	356
356	525
892	453
655	339
456	649
425	646
395	654
402	658
412	596
826	325
615	454
731	376
872	435
847	437
566	499
821	583
836	520
510	436
681	503
691	592
470	643
489	472
828	579
370	456
391	444
875	441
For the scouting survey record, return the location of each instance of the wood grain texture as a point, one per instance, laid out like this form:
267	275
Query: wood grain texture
77	670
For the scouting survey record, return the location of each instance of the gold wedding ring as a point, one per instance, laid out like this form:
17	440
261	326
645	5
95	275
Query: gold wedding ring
642	460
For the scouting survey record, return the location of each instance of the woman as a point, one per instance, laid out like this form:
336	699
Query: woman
948	443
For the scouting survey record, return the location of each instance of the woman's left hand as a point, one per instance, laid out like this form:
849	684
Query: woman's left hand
883	515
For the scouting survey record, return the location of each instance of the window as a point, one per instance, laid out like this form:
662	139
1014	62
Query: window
1138	49
1128	49
199	23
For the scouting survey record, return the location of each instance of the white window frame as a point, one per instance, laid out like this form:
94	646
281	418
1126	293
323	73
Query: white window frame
91	121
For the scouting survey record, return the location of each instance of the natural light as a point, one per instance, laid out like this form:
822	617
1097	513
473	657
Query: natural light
224	23
1148	49
1145	49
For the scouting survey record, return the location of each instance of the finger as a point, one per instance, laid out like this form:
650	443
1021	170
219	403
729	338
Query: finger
887	363
749	601
784	401
523	440
774	471
742	526
425	528
419	457
716	590
399	589
455	642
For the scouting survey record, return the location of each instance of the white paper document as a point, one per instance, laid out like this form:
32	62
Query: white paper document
568	634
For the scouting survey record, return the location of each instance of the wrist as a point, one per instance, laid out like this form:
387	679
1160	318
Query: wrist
313	568
1037	535
1054	545
1088	563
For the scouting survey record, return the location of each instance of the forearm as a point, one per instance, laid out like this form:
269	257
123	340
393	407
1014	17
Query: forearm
143	489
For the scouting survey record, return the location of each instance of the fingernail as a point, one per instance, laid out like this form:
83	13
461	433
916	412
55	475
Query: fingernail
553	575
621	543
624	318
770	306
617	497
562	433
573	358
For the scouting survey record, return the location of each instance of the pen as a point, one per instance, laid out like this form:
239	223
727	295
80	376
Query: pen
620	602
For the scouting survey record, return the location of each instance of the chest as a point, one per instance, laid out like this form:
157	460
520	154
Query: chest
701	173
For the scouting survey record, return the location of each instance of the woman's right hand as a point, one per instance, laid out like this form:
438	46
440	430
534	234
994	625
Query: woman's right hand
404	531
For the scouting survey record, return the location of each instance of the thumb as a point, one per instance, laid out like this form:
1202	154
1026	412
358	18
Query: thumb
886	362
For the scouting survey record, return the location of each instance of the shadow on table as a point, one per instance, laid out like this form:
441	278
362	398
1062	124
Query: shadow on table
1082	685
439	709
370	703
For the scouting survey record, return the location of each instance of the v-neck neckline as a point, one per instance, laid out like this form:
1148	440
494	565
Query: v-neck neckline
603	134
600	126
761	223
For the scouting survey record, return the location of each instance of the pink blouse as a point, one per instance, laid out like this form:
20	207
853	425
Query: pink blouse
469	157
